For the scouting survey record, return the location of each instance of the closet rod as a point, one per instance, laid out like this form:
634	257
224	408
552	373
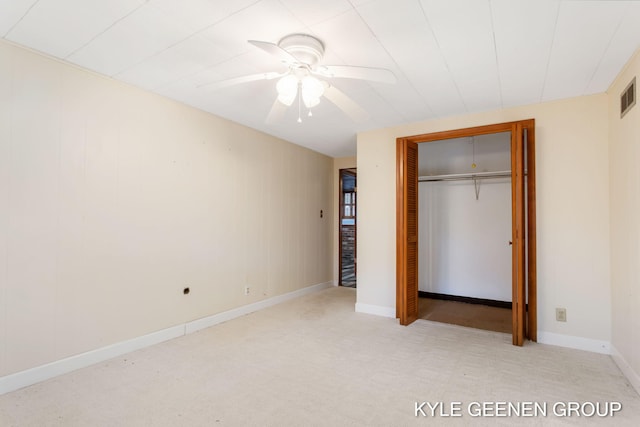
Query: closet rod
460	176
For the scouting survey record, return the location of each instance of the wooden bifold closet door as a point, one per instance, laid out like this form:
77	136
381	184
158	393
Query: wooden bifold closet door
407	230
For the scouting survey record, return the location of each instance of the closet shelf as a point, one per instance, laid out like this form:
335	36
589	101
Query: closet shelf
461	176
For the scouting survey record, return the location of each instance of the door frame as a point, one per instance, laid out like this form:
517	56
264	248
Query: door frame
524	282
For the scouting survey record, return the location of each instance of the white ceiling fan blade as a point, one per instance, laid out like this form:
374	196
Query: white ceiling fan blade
275	50
381	75
276	113
239	80
346	104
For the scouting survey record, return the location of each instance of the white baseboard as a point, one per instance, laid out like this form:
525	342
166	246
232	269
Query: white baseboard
378	310
206	322
570	341
632	376
44	372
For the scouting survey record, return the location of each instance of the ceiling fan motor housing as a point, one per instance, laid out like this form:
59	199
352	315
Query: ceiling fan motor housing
307	49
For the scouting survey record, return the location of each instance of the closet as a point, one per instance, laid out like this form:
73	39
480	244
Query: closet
459	175
464	217
464	223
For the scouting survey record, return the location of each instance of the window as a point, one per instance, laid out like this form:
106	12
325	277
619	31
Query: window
349	204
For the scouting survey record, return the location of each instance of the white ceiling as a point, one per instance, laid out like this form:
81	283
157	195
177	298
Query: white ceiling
450	56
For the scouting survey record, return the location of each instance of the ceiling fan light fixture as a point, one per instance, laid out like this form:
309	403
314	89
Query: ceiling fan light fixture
312	90
287	88
310	102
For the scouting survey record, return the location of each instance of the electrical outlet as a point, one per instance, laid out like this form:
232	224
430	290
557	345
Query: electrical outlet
246	290
561	314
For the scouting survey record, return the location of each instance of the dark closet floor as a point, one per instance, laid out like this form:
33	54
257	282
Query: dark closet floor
465	314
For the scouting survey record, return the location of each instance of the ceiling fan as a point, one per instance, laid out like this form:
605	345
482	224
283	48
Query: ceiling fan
301	54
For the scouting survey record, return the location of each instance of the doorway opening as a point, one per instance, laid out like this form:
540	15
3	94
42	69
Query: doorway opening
522	241
347	227
464	231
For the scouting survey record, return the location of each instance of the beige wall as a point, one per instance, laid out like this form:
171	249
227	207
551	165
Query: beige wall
573	214
338	163
624	146
114	199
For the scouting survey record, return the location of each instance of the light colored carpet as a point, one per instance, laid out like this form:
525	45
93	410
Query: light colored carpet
314	361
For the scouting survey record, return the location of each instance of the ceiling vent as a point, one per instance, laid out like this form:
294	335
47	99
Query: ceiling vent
628	98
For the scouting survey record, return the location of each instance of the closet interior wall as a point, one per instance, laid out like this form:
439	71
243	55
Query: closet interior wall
465	223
